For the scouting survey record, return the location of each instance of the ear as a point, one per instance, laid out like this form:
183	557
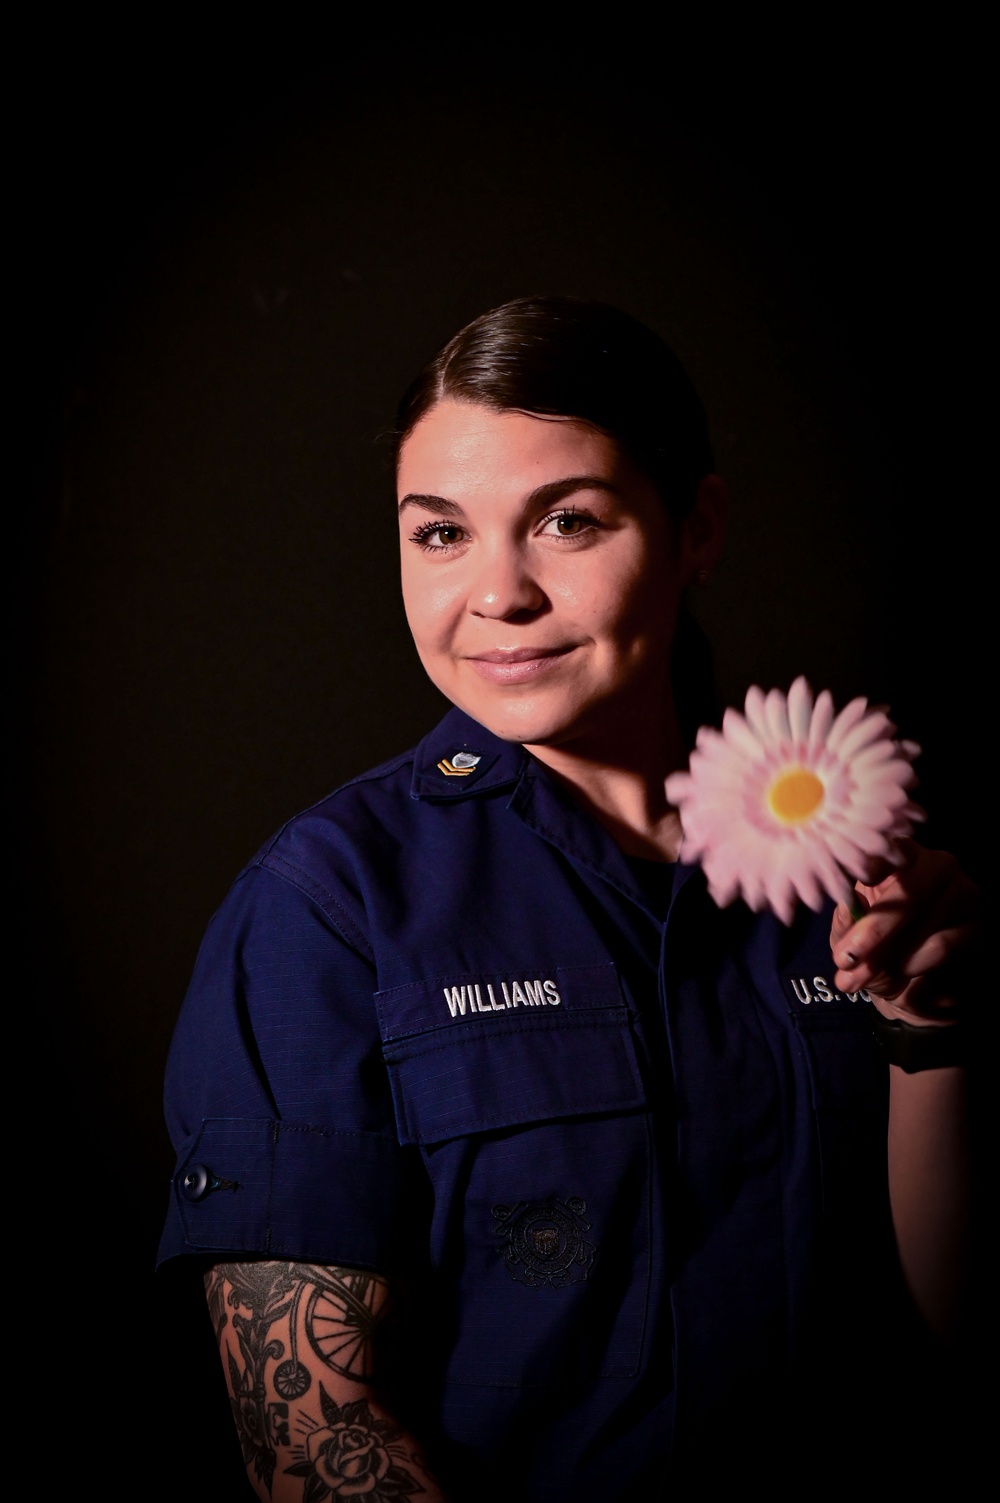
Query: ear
703	530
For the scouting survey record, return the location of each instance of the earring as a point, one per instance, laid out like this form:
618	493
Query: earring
702	577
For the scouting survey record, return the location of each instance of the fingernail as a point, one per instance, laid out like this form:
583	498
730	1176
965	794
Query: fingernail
850	957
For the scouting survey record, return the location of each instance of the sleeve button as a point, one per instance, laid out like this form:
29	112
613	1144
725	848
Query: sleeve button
196	1183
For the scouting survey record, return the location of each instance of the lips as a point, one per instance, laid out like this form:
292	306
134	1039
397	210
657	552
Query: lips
519	664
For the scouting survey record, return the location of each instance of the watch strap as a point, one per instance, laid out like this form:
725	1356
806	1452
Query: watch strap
913	1048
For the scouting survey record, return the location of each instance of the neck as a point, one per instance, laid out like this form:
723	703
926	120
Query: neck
619	776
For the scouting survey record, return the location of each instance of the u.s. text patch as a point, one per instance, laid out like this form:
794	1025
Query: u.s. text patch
817	993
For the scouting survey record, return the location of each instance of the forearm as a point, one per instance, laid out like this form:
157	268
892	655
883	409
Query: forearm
930	1188
296	1343
915	948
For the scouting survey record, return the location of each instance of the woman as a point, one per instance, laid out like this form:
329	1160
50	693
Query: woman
501	1144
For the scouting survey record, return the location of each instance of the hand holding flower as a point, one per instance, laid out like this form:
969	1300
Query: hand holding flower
917	933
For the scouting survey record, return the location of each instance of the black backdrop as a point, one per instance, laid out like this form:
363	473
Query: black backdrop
234	257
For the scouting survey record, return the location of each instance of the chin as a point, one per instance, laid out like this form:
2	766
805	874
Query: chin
528	724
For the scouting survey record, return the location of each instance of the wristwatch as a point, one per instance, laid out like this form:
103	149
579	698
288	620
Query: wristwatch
913	1048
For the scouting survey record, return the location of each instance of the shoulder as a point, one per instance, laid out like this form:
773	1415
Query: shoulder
378	827
350	811
320	854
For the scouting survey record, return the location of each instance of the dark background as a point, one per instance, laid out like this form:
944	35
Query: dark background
233	253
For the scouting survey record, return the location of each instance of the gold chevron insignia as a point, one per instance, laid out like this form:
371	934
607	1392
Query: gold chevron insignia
451	771
458	766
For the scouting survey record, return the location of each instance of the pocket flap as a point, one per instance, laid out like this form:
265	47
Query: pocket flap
565	1050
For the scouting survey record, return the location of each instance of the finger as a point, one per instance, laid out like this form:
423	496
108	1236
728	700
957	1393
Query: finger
880	983
918	921
880	869
921	999
940	948
843	920
872	937
934	956
904	912
918	871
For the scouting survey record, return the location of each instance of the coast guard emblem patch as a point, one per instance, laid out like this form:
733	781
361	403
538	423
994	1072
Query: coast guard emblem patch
544	1242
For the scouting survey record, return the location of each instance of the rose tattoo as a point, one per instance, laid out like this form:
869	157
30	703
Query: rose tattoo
352	1457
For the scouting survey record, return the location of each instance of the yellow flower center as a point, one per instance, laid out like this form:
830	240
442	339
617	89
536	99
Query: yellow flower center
794	795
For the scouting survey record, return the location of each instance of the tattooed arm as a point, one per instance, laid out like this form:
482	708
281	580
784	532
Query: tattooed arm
296	1344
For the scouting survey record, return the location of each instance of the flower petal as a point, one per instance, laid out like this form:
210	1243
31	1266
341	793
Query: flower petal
822	720
846	721
753	708
678	787
872	728
739	735
776	714
800	710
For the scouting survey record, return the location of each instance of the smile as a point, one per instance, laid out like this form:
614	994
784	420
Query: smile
519	665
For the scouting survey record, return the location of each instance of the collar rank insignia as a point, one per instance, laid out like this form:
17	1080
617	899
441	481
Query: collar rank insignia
460	765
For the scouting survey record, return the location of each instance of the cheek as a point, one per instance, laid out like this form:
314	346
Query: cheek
431	605
616	597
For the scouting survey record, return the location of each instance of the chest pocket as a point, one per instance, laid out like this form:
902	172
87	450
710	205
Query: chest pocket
523	1092
471	1053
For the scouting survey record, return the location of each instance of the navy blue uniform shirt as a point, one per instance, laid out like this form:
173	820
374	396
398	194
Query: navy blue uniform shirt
625	1151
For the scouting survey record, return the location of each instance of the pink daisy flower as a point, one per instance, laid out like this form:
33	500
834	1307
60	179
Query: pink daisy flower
791	802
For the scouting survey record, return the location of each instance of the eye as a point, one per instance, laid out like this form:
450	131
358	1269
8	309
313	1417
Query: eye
569	523
437	537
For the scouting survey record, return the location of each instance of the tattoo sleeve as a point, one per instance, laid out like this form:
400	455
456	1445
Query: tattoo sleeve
297	1345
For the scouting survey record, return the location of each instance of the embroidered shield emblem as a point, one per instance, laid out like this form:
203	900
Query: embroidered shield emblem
543	1242
459	765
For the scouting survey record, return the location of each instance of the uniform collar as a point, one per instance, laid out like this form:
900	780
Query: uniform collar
547	808
461	758
442	771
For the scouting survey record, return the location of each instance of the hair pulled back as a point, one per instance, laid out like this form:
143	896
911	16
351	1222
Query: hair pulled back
573	358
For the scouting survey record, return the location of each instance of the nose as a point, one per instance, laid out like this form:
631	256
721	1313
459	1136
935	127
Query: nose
505	587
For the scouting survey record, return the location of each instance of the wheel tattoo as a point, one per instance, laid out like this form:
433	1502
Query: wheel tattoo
292	1380
340	1321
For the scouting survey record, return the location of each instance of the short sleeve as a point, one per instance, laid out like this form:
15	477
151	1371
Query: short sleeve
276	1095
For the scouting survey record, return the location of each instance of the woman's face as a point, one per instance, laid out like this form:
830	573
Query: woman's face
541	573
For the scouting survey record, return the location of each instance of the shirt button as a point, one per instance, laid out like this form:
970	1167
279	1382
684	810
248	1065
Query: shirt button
196	1182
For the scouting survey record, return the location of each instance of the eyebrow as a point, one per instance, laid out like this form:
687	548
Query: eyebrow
544	495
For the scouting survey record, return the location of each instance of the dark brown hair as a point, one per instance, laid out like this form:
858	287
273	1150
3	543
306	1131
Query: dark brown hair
567	357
